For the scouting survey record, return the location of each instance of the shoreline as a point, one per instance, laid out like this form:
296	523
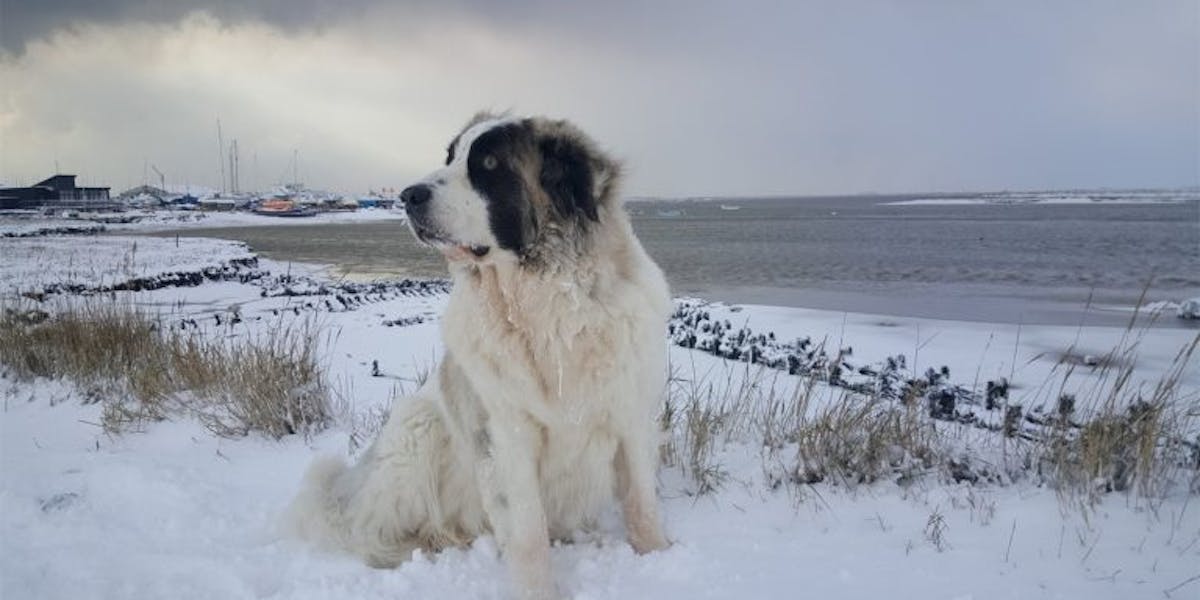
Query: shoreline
973	303
1001	304
363	249
971	307
222	272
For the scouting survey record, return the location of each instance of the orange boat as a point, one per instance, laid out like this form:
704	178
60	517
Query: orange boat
283	207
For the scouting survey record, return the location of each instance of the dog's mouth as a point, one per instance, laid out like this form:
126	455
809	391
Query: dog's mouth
452	248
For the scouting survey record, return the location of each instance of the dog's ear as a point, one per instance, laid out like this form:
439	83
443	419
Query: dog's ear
570	173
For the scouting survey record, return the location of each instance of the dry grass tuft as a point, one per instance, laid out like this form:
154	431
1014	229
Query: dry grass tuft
142	371
850	441
857	440
693	428
1131	439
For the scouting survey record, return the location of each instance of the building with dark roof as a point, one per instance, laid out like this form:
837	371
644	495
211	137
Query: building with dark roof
58	191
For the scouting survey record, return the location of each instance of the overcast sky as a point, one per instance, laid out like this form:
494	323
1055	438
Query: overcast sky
737	98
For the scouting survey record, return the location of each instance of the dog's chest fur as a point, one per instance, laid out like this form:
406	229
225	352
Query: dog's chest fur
550	337
547	350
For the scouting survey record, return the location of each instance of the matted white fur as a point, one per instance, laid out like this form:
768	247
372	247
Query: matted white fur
543	409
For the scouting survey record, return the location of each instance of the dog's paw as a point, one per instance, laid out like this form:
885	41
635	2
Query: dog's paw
645	544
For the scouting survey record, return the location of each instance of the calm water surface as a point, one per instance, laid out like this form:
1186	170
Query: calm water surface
1034	263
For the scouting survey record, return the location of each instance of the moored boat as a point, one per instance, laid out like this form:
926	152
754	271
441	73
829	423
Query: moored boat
283	207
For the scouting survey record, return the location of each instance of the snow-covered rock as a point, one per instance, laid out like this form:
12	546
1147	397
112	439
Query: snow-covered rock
1189	309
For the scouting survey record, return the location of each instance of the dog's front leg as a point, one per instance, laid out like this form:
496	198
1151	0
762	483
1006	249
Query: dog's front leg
508	479
636	467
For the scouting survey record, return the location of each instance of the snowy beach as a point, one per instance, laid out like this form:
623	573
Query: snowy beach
169	509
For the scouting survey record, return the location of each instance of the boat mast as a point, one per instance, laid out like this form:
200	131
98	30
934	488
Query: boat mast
221	154
233	167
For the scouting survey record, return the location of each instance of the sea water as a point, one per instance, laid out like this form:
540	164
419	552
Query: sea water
1032	262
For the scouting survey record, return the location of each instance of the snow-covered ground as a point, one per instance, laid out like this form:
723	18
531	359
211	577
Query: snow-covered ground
163	220
1081	197
34	264
33	226
176	512
975	352
27	225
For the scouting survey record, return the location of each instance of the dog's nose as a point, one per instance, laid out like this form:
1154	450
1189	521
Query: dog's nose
415	195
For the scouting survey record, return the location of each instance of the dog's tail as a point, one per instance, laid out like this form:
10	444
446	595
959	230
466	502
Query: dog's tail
318	514
388	503
337	510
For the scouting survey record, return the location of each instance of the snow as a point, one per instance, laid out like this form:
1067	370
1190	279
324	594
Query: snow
1042	200
936	202
33	227
1189	309
191	189
174	511
36	225
973	351
1091	197
34	264
171	220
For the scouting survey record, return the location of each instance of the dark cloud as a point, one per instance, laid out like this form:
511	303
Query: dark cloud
699	97
23	21
621	21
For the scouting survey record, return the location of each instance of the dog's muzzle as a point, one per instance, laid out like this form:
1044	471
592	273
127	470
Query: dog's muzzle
416	203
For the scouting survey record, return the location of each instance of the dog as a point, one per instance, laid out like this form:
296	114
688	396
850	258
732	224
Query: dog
543	410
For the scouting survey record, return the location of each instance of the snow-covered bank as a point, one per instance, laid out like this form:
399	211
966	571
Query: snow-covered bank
1189	309
34	225
41	265
974	352
170	220
1049	200
975	375
1057	198
177	512
37	227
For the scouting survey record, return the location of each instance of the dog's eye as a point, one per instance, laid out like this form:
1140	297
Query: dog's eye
489	162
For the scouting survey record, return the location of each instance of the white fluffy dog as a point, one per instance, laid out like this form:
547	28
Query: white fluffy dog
543	409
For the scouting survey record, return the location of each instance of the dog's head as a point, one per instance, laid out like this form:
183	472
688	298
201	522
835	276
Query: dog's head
512	185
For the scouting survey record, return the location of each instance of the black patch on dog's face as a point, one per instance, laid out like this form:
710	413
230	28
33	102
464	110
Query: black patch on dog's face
497	162
492	172
566	176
